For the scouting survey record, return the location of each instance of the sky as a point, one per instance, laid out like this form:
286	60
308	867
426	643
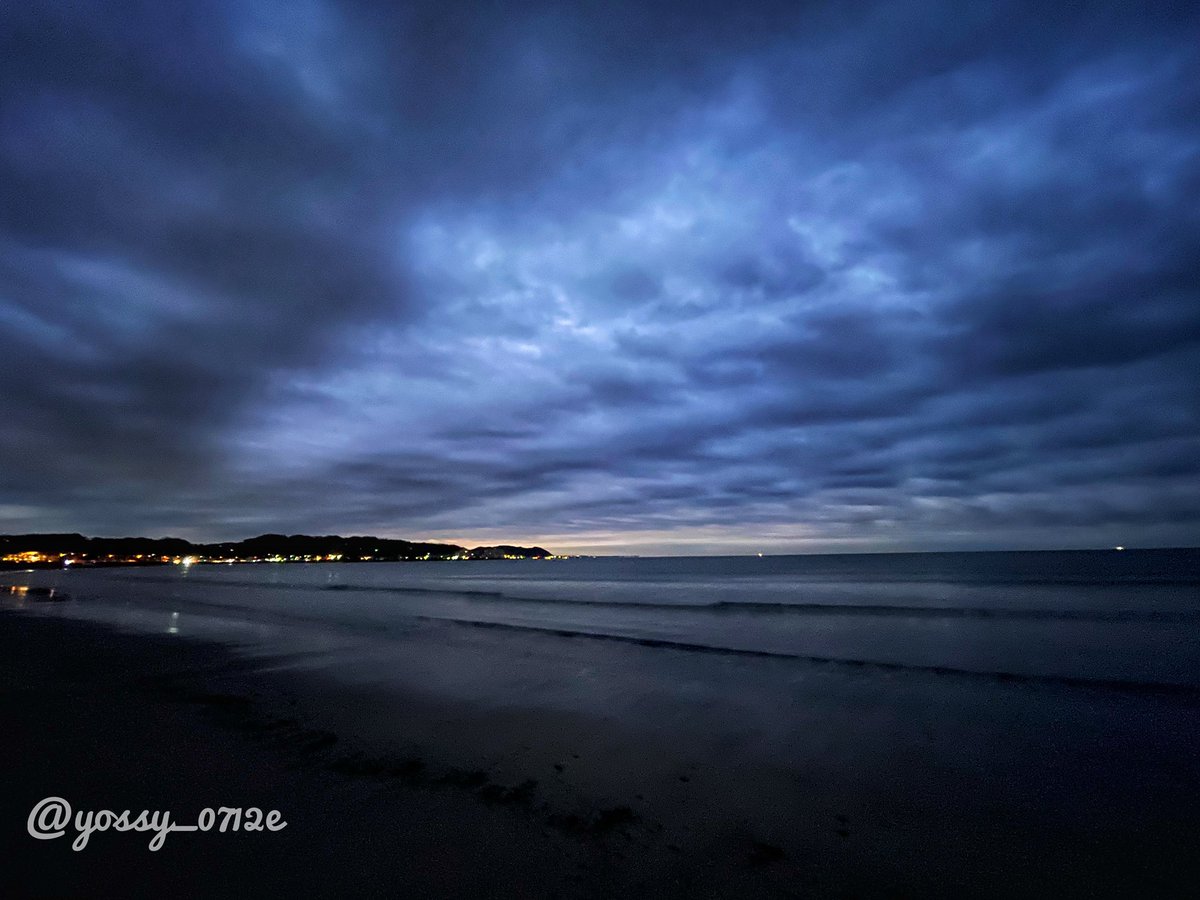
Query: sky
655	278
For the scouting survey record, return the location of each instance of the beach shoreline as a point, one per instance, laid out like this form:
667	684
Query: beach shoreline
113	720
388	792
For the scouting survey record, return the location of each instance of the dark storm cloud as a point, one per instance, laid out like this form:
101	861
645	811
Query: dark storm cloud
661	276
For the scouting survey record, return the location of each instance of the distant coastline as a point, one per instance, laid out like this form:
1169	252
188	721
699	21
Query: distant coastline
54	550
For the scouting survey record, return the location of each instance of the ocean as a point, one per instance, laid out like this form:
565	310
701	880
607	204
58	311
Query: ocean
1126	620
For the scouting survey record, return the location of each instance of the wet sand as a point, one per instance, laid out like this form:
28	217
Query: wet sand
388	792
117	721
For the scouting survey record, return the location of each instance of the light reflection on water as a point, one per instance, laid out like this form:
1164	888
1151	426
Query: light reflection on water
36	594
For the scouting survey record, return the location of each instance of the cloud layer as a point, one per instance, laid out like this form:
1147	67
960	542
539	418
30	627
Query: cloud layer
640	277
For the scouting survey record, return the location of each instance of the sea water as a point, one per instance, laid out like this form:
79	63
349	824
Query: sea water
1129	619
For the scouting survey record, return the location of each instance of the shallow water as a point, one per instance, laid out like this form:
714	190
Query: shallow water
1129	620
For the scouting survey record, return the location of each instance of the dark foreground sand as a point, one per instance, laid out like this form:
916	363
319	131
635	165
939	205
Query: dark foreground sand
116	721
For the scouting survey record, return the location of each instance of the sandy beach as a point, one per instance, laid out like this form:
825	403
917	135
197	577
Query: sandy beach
118	721
114	721
390	791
